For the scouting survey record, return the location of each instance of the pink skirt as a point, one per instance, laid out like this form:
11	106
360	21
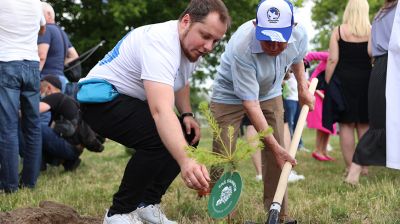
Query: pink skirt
314	118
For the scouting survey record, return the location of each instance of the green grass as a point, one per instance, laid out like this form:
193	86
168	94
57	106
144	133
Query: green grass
320	198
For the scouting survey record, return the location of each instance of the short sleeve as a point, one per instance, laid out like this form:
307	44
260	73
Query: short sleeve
45	38
160	60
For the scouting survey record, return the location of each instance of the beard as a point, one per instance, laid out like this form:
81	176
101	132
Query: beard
186	51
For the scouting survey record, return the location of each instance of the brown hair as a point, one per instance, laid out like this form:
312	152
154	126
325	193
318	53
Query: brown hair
198	10
389	4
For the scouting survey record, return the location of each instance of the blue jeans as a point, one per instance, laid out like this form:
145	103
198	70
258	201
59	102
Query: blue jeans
19	89
292	113
56	148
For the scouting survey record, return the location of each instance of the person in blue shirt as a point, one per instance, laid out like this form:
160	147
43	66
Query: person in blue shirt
55	48
249	82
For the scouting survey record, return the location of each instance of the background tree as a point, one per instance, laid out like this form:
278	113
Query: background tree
87	22
328	14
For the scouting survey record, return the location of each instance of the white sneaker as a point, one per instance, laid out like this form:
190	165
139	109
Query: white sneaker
304	149
129	218
293	177
259	177
153	214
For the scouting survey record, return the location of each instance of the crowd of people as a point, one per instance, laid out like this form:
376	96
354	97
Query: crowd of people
39	123
133	95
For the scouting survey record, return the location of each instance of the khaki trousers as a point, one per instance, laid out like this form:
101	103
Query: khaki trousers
232	115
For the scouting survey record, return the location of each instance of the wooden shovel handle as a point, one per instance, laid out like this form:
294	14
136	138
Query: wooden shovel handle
287	167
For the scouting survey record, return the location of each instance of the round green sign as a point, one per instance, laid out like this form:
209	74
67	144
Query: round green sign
225	195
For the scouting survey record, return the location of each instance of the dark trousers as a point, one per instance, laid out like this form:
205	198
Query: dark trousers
151	170
56	148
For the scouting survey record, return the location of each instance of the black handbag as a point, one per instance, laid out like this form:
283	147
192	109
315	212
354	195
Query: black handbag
73	70
65	127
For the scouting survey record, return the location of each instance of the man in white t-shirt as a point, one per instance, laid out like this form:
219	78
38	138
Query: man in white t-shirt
20	22
150	68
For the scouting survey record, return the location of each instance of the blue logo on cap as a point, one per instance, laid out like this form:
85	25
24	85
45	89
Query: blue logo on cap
273	15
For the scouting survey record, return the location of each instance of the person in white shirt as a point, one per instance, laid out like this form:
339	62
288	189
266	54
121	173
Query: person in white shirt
20	22
150	68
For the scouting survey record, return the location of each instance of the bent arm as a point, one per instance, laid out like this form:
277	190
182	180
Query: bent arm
72	54
317	56
160	98
161	102
43	49
333	55
305	97
44	107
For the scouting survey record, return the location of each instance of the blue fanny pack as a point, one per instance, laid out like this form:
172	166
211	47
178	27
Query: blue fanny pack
96	91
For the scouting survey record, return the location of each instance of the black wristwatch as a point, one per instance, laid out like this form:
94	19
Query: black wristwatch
187	114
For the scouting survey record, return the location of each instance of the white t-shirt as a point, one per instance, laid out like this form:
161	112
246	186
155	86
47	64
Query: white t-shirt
151	52
20	21
291	84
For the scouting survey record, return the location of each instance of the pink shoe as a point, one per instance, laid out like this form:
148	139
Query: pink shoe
329	158
319	157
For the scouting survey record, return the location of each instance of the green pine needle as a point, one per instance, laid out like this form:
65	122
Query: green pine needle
231	155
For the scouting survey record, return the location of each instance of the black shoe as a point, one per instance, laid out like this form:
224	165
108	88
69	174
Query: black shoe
288	221
43	166
71	165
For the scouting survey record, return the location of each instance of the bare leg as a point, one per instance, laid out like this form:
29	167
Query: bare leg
347	142
361	129
322	140
251	137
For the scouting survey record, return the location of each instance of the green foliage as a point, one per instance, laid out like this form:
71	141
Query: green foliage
328	14
231	155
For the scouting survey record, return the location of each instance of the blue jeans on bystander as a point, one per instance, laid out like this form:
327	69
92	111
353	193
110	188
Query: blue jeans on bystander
19	89
292	113
56	147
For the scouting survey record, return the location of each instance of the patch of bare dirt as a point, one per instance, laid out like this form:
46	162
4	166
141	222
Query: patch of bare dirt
48	213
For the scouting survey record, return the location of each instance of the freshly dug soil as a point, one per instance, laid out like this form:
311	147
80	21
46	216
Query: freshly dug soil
48	213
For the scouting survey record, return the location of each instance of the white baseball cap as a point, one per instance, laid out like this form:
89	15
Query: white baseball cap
274	20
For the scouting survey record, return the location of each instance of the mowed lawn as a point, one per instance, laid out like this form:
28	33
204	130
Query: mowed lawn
321	198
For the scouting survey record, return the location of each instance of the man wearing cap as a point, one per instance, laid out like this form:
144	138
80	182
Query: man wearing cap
249	82
59	141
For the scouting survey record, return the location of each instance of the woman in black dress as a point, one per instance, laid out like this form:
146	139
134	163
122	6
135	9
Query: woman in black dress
350	63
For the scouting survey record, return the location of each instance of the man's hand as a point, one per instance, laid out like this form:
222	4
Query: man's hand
195	175
190	123
282	156
306	98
